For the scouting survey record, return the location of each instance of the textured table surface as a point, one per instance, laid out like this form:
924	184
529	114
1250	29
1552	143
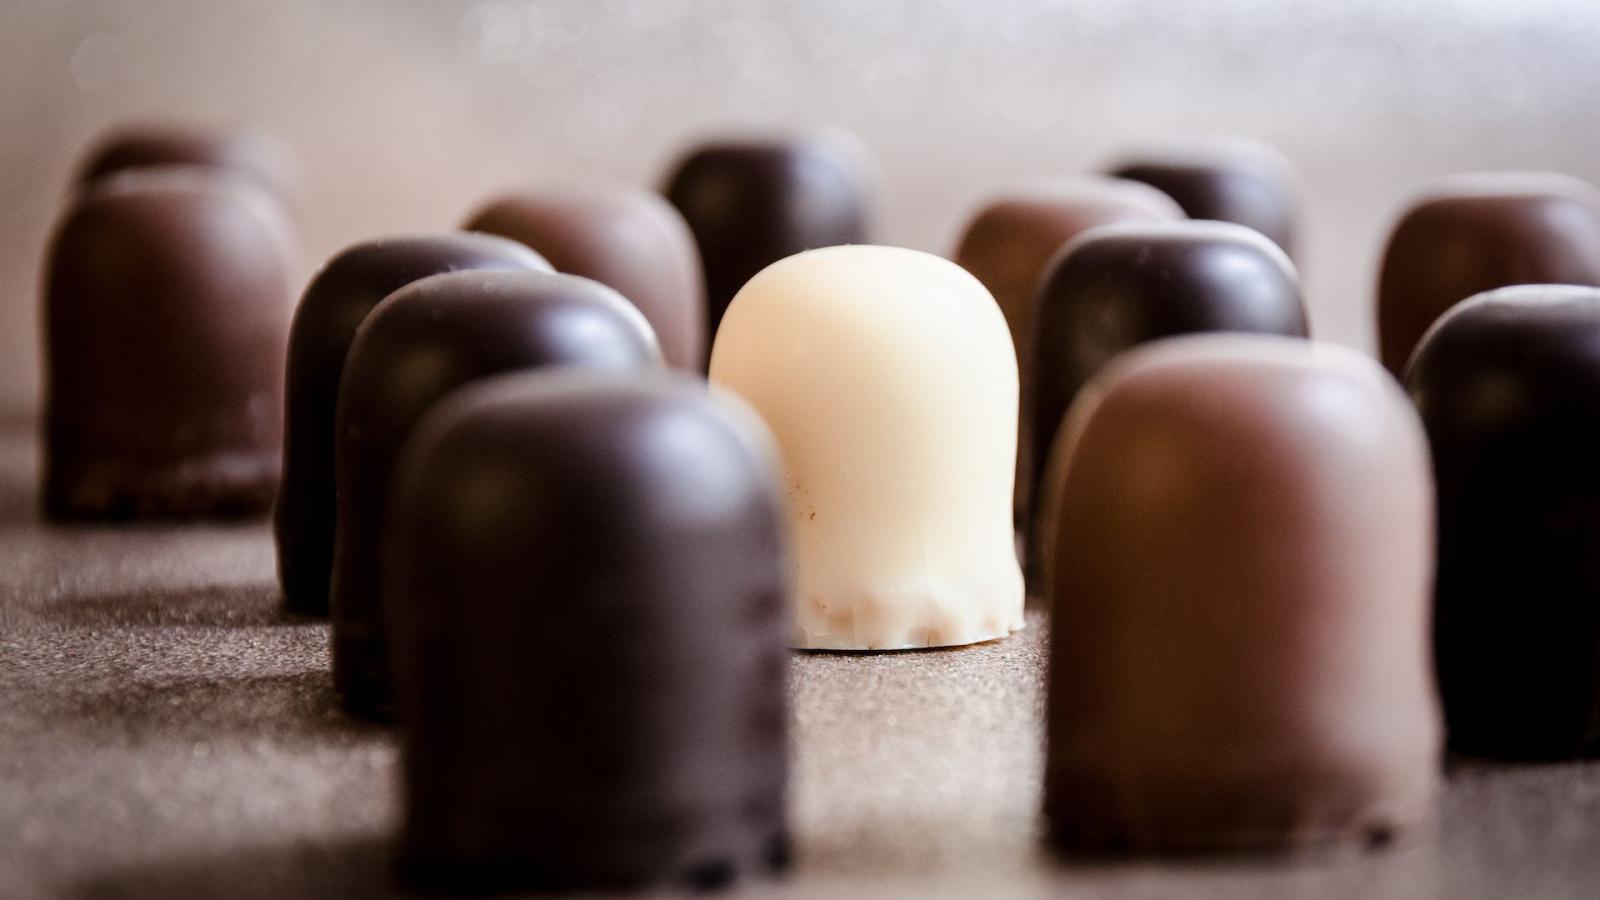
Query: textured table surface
165	732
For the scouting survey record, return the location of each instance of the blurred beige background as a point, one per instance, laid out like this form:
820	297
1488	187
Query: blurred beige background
407	113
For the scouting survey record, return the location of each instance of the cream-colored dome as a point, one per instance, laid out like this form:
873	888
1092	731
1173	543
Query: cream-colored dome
889	378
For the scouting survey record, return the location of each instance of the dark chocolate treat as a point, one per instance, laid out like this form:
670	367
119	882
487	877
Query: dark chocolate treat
1123	285
425	340
751	203
167	302
631	240
251	154
587	585
1230	180
1240	547
1508	384
1473	233
334	305
1009	243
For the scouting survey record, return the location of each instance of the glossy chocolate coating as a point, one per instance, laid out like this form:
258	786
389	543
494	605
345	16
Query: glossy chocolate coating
425	340
1240	547
588	590
252	154
167	302
1009	243
1508	384
1473	233
1125	285
1239	181
631	240
751	203
334	305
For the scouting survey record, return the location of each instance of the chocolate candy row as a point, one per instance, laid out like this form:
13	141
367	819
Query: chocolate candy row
573	577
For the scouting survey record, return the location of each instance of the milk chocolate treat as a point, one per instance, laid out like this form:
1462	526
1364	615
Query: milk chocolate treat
255	155
1241	545
1473	233
1124	285
1508	384
167	303
889	379
1246	182
753	202
589	597
631	240
332	308
425	340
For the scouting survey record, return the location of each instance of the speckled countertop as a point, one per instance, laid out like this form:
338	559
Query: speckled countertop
164	732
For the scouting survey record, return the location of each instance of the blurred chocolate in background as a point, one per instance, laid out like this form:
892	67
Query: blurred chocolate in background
401	112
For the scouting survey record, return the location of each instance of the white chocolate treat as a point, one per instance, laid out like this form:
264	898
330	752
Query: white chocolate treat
890	380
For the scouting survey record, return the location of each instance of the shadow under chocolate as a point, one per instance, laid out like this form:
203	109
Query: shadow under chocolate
351	867
275	707
223	606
